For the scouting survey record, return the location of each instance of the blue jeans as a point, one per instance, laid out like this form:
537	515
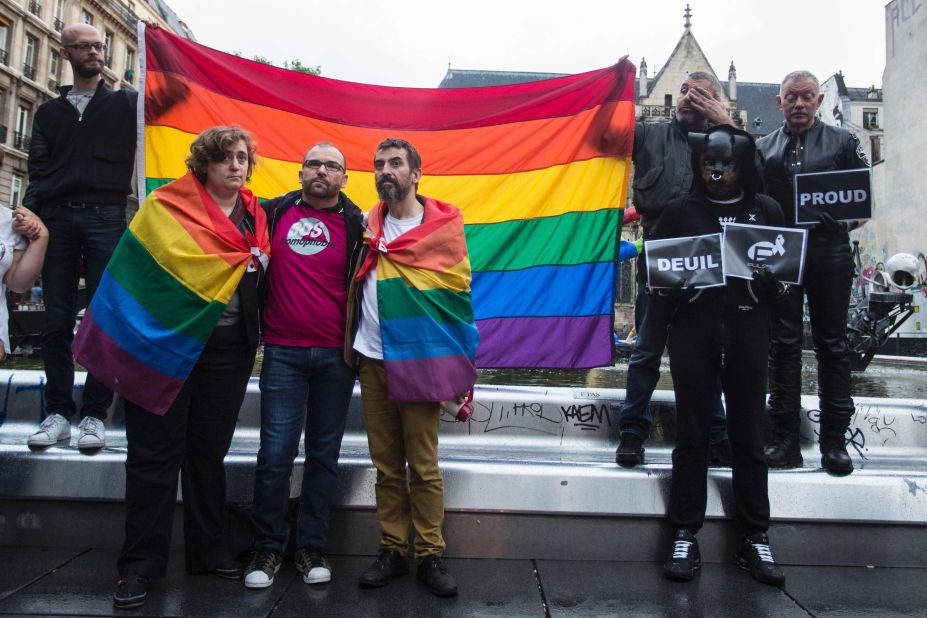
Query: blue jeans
74	234
314	383
644	370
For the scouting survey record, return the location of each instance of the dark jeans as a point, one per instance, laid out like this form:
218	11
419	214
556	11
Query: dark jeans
827	281
192	438
311	385
74	234
644	371
701	332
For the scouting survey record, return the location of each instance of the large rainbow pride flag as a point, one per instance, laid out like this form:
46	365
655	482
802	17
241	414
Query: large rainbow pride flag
540	171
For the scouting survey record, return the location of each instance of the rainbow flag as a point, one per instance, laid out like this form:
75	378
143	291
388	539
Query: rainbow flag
424	304
159	299
540	171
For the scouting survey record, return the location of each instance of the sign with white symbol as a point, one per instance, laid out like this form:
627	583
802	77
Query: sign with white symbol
845	195
693	259
749	247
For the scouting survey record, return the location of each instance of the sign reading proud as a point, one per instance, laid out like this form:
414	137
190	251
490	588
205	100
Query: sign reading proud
695	259
749	247
845	195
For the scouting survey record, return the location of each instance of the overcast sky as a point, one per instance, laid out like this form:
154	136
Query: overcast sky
409	42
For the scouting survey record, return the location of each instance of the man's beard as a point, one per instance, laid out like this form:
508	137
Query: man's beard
395	192
85	72
326	190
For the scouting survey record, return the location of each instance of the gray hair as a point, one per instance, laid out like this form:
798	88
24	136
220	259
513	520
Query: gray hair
707	77
796	75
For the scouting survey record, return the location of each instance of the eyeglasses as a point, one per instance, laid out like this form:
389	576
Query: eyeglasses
331	166
86	47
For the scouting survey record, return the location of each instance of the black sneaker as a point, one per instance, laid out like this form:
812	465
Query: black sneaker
784	452
228	569
433	573
685	559
630	451
131	592
755	556
313	565
721	455
389	564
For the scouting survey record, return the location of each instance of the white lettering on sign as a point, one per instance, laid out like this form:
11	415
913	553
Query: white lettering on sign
698	262
820	198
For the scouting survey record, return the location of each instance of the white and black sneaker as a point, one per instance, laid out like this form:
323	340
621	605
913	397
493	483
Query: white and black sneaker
685	559
755	556
92	436
54	429
313	565
261	570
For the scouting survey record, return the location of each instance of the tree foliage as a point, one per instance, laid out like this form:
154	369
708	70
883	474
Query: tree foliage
291	65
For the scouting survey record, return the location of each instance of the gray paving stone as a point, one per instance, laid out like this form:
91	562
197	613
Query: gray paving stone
850	592
24	565
597	588
85	587
487	588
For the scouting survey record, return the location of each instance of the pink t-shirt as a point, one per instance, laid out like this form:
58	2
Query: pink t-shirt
306	291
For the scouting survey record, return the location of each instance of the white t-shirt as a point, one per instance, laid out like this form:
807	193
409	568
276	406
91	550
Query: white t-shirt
368	341
10	241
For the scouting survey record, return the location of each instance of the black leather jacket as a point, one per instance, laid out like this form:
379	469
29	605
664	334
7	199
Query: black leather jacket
823	148
662	169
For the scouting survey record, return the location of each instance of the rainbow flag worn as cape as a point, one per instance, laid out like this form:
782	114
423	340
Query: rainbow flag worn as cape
423	298
539	170
162	293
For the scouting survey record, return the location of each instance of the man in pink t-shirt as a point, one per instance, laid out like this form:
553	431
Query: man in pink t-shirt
315	240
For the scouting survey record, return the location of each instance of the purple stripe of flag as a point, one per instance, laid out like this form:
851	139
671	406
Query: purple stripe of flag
429	379
548	343
152	390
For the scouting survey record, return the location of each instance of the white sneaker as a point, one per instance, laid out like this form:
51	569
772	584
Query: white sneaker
54	429
313	565
261	570
92	434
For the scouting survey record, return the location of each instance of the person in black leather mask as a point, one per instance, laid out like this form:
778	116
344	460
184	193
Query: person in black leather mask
720	335
804	144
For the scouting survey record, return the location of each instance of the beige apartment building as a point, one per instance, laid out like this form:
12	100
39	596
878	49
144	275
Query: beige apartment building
31	68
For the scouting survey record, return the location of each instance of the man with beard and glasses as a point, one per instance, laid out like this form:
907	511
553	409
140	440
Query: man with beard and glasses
315	239
414	343
80	172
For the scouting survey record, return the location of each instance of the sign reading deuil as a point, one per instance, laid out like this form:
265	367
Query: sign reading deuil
751	247
693	259
845	195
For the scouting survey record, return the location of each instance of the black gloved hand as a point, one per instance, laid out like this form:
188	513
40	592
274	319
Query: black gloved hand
766	287
828	225
675	293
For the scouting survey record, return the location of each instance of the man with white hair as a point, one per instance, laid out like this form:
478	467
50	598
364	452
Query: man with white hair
804	144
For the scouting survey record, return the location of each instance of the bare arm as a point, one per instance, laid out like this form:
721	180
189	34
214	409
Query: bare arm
27	264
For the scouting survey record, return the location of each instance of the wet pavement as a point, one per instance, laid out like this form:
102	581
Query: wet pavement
79	582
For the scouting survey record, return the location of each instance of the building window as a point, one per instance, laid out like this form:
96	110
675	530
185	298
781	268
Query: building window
32	50
58	22
4	42
35	7
870	118
54	69
667	100
108	50
130	65
20	138
16	191
876	143
86	17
